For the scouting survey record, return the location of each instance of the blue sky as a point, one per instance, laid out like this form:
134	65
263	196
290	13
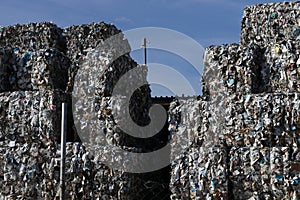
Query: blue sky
209	22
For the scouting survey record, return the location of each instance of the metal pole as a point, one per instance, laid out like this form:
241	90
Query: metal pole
63	151
145	50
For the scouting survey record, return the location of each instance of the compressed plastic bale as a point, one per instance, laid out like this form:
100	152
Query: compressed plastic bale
36	59
32	115
249	172
208	173
285	172
179	183
274	27
39	69
33	36
285	125
190	123
16	121
262	120
34	69
82	37
281	59
230	69
51	68
50	113
183	122
269	23
24	170
88	36
91	178
248	122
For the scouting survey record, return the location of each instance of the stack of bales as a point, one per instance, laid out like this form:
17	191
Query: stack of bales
251	92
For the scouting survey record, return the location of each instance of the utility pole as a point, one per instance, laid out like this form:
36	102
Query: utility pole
145	50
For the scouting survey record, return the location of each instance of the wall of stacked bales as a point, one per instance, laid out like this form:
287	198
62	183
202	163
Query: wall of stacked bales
39	63
250	105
